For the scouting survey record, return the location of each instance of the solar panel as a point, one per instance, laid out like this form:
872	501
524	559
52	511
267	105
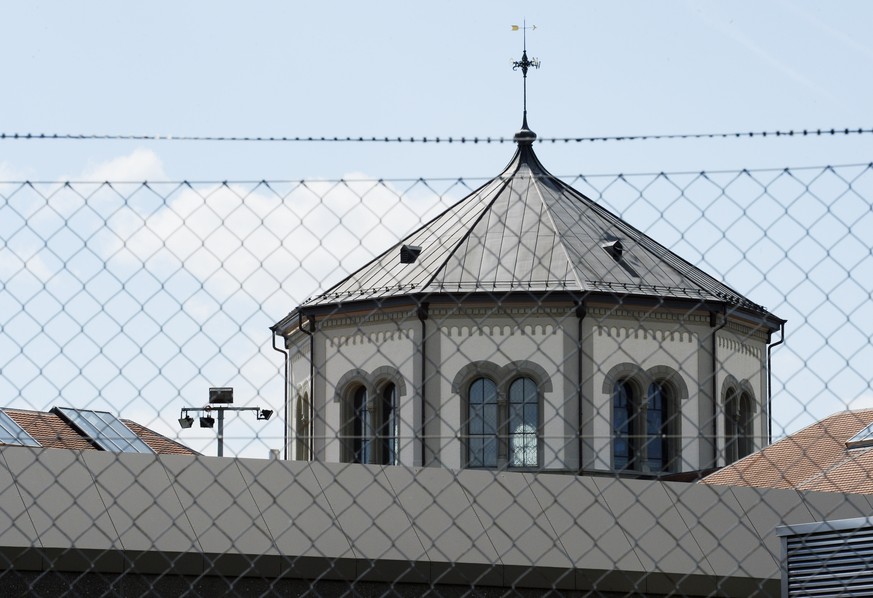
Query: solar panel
862	438
12	433
105	430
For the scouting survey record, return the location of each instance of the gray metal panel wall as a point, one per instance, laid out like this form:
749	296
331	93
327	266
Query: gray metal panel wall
244	518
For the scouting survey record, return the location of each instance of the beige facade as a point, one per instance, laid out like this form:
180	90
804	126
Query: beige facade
374	348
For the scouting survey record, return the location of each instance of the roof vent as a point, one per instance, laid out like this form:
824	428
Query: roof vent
409	253
614	248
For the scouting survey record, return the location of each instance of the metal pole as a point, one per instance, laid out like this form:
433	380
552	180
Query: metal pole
220	432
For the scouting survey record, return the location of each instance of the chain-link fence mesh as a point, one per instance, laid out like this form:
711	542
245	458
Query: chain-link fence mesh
547	422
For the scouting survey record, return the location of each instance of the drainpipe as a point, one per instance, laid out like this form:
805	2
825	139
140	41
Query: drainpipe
422	313
581	312
311	423
287	368
713	318
770	383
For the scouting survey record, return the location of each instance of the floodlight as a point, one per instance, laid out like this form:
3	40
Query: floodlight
265	414
186	422
207	421
221	395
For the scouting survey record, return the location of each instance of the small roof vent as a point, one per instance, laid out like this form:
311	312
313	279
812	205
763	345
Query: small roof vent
409	253
614	248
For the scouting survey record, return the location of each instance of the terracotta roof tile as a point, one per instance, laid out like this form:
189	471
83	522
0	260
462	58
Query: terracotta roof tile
158	443
49	430
815	458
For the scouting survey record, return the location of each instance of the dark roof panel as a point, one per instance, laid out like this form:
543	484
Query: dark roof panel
526	230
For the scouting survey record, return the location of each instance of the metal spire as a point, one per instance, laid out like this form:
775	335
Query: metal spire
525	63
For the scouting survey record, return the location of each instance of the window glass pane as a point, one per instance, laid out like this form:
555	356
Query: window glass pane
523	423
303	427
744	427
655	431
476	452
731	409
523	447
490	419
12	433
477	420
622	426
388	426
489	452
482	424
104	429
523	390
360	427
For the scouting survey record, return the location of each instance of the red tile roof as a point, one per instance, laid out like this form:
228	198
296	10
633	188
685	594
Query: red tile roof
158	443
815	458
53	432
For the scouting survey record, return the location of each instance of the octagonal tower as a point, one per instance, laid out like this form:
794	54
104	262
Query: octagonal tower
527	327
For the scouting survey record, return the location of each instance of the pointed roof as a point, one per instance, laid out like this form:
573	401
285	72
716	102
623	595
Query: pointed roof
527	231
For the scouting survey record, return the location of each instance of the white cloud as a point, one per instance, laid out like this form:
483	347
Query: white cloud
299	240
140	165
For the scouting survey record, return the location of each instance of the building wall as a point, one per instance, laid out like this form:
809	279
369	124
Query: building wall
742	356
461	344
624	341
502	339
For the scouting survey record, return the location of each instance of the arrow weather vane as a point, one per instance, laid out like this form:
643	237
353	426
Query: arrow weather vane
525	63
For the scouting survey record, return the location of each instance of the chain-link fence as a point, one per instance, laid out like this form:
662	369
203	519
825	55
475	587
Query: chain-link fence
562	431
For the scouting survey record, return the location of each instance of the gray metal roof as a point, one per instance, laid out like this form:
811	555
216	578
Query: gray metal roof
527	231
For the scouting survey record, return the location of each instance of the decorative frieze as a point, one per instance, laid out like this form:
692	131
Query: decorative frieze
661	336
499	330
370	338
734	346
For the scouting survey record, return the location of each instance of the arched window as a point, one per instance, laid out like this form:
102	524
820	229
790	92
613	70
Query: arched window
625	426
745	430
738	428
482	423
661	448
386	431
361	438
523	423
302	427
502	409
643	432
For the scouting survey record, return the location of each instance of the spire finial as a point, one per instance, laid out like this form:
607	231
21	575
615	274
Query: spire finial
525	135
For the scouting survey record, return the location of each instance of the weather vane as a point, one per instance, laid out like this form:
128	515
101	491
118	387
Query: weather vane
525	63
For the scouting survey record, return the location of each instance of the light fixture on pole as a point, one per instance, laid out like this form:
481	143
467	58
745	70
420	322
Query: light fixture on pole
220	400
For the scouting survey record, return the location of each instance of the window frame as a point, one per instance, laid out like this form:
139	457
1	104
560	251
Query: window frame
638	384
374	384
738	404
503	378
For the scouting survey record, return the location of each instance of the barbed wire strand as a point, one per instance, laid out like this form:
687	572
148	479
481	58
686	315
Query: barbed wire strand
386	139
226	182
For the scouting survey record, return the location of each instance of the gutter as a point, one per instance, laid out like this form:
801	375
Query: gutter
770	384
286	363
581	312
311	423
713	318
422	313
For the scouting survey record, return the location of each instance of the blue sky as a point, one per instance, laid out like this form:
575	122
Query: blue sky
412	69
440	69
